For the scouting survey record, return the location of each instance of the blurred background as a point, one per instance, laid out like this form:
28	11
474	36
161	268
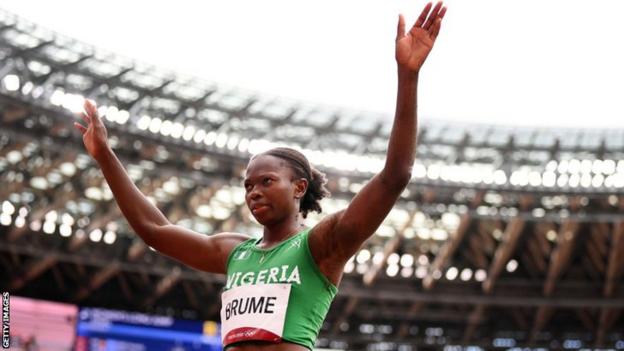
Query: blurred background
509	236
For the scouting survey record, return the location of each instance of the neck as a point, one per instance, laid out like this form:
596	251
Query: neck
278	232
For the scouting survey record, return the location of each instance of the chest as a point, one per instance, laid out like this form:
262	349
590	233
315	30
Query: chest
253	267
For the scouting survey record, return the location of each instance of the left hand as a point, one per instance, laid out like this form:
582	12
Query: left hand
413	48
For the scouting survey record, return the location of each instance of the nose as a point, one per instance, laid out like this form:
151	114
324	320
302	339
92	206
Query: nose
254	194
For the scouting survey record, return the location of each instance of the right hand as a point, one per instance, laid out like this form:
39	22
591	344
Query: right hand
94	135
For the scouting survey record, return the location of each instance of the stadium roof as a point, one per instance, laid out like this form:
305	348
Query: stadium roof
523	63
505	236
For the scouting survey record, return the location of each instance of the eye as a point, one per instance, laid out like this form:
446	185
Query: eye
267	181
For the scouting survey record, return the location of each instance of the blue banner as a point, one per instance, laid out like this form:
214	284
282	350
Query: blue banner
111	330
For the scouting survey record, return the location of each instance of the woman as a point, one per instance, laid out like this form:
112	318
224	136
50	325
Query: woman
279	288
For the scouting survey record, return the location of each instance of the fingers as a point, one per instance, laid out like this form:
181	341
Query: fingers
432	16
423	16
435	29
84	117
401	27
92	113
89	107
80	127
442	12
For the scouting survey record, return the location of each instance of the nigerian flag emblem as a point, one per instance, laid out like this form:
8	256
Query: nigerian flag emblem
243	255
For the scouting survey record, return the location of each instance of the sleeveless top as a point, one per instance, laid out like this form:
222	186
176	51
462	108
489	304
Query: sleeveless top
277	294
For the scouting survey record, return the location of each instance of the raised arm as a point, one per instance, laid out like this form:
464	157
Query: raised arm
207	253
337	237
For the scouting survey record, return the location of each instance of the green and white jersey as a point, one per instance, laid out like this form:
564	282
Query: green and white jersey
275	295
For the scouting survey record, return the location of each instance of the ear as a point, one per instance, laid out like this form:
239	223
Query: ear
301	185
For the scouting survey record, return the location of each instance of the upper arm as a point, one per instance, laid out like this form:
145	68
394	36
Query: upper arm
203	252
338	236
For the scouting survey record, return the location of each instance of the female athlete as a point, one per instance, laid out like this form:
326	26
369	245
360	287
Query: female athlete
279	287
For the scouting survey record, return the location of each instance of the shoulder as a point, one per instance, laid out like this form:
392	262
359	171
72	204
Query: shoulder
233	236
230	238
226	242
326	225
324	249
321	236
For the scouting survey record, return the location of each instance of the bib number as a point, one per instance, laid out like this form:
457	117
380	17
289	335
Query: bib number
254	312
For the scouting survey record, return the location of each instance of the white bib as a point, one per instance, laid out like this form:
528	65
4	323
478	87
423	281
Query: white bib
254	312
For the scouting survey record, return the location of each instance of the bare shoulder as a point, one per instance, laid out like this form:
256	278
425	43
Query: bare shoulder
204	252
324	249
228	240
220	246
323	229
232	236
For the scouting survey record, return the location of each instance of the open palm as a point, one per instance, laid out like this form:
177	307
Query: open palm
413	48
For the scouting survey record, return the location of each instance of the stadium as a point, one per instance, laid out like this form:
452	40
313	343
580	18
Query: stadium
506	238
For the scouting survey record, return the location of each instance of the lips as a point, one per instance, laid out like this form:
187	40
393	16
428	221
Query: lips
259	208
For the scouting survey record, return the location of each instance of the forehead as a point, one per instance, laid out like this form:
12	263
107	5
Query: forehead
265	164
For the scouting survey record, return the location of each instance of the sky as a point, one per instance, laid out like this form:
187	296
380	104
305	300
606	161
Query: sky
546	63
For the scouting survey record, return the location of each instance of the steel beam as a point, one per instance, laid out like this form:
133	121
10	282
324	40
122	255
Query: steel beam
504	252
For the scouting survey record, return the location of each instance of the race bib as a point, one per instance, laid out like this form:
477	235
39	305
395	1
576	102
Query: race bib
254	312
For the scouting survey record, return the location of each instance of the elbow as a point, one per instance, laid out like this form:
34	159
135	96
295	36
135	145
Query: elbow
397	181
147	232
403	180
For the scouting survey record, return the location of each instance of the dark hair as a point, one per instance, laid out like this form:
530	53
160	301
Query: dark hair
301	166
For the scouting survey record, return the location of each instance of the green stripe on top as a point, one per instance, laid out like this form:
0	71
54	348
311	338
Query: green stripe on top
289	262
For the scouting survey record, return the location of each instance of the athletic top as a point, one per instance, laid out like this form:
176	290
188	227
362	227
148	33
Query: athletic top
274	295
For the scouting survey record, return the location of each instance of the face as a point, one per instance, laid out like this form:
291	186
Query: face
272	192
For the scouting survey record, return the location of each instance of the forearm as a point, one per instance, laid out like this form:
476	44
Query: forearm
140	213
402	143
